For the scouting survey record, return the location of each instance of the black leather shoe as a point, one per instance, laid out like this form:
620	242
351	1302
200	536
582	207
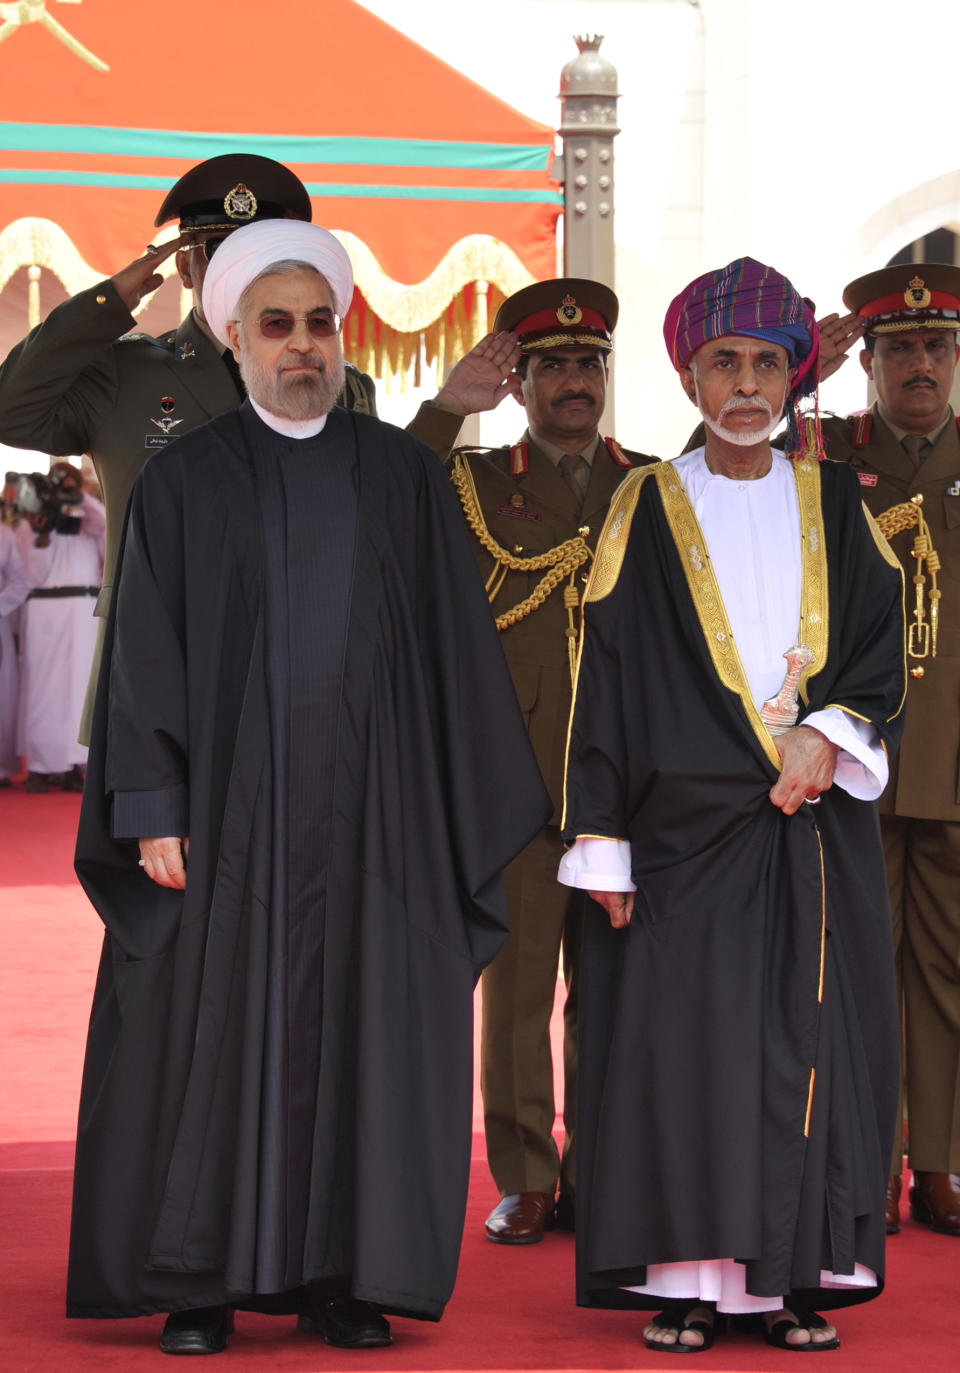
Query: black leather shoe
201	1331
346	1323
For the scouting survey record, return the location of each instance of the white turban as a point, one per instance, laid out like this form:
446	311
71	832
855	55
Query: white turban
248	252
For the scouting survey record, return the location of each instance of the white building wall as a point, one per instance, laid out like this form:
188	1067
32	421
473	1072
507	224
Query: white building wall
810	135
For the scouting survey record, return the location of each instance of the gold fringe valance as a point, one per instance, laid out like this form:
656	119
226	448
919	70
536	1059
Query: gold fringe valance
394	330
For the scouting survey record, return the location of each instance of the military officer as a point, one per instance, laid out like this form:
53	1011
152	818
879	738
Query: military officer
82	383
535	510
904	448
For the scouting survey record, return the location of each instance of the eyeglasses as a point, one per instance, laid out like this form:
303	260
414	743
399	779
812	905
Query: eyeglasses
321	324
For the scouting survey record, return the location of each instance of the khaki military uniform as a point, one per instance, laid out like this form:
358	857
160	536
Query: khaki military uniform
920	809
528	512
79	383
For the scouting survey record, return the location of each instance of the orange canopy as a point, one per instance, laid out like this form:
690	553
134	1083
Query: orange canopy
431	182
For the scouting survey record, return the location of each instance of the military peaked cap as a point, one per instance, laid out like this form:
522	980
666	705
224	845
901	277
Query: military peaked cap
568	312
915	295
227	192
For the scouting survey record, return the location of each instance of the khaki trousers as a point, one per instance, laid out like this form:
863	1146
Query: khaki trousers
923	877
516	1073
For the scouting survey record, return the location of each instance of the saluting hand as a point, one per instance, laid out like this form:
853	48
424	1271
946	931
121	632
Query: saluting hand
141	277
809	761
838	334
163	861
483	376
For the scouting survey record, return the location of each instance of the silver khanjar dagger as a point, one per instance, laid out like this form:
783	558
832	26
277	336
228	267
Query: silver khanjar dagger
780	713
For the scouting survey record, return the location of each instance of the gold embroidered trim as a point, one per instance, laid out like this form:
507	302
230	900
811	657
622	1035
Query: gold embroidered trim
806	1123
814	591
890	557
585	340
612	542
708	603
847	711
823	915
823	948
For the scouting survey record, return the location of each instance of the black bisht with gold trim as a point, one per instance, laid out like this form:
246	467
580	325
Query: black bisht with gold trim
738	1041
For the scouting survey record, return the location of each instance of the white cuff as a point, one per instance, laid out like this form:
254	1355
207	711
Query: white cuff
597	865
862	768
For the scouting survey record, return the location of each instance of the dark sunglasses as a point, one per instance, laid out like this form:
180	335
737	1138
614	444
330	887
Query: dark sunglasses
320	325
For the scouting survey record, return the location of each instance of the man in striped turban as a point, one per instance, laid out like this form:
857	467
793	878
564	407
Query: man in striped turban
738	1025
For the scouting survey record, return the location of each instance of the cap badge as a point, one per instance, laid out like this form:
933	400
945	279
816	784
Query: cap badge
916	296
569	311
240	203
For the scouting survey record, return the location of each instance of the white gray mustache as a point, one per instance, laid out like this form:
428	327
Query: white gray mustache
745	403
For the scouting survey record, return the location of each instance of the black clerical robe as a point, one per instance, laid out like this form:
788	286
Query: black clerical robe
738	1041
305	679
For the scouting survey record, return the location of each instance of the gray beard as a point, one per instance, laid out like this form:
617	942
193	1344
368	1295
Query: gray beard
739	437
293	396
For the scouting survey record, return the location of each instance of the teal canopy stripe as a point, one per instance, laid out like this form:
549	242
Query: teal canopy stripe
517	195
103	141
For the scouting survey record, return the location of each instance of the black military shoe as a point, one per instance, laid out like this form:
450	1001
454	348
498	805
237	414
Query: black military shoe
201	1331
345	1322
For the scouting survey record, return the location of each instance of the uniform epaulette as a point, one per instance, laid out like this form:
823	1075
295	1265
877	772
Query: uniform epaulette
862	421
617	453
136	338
519	459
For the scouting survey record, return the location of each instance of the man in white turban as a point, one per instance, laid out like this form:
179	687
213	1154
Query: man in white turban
308	771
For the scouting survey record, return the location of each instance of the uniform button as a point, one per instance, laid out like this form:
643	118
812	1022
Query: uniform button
101	300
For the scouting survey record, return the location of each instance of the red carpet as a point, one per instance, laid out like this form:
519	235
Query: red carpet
513	1308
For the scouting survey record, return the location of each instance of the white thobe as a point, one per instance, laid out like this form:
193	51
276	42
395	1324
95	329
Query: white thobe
13	589
752	532
57	640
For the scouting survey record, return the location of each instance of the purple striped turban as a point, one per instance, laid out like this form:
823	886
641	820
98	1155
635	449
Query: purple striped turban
749	299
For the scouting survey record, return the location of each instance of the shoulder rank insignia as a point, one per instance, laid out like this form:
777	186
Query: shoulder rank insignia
862	428
617	453
519	460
